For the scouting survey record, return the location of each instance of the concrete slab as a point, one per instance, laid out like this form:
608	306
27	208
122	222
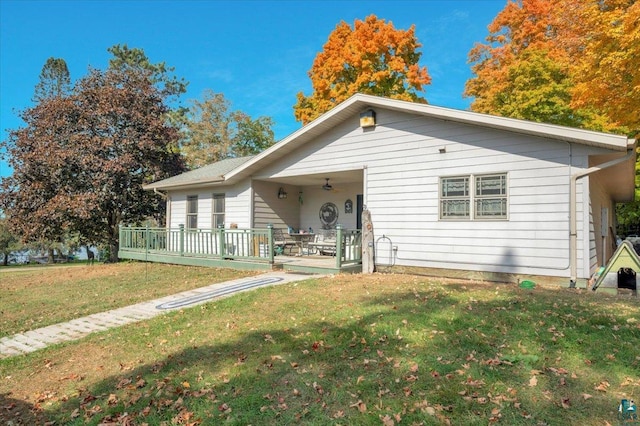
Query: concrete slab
15	344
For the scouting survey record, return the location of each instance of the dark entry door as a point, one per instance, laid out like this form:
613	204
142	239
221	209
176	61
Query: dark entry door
359	207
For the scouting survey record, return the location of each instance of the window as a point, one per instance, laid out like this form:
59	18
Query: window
192	212
486	195
454	197
491	197
217	211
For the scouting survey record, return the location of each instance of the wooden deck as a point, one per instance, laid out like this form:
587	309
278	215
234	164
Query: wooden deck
238	248
314	265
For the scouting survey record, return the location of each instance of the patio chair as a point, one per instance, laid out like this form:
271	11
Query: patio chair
282	243
325	242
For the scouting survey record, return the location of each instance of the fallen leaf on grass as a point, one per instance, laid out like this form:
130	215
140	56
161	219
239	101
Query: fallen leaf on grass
361	406
558	371
387	421
113	399
603	386
533	381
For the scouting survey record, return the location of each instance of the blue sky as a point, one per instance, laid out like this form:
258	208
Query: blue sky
257	53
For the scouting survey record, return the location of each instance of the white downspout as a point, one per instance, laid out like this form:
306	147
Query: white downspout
573	231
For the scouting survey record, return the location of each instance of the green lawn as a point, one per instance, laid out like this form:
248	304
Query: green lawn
34	297
347	350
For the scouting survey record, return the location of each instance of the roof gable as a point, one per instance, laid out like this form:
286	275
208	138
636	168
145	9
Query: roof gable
360	102
234	169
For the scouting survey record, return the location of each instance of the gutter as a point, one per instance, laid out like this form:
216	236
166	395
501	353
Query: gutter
573	231
163	195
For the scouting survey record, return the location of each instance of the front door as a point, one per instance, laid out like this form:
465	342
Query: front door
359	208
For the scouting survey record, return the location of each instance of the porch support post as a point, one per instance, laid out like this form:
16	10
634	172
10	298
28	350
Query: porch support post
339	246
270	247
221	243
147	239
181	226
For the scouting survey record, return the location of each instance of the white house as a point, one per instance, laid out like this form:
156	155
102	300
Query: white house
447	190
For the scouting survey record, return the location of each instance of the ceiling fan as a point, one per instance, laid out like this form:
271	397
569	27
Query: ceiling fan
327	186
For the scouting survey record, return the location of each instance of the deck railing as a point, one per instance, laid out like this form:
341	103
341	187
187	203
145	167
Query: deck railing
223	243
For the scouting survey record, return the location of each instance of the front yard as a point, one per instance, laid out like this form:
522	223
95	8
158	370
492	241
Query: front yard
345	349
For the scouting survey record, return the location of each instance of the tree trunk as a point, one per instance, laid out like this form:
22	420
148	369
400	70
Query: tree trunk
51	255
5	262
113	251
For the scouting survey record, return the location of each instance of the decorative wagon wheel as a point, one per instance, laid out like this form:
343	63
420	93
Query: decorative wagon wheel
328	215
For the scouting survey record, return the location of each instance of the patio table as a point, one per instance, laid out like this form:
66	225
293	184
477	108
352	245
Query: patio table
302	241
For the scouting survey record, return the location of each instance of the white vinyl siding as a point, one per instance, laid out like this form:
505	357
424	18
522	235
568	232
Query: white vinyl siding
237	206
404	166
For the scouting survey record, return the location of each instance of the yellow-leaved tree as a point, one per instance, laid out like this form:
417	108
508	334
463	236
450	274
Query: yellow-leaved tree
373	57
570	62
607	75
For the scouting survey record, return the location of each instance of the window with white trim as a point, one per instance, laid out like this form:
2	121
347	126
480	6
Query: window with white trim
481	197
491	196
217	211
192	212
454	197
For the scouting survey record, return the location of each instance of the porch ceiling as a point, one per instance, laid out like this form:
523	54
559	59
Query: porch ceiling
318	179
619	180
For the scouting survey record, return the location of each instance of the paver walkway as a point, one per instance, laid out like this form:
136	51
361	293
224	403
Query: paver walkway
42	337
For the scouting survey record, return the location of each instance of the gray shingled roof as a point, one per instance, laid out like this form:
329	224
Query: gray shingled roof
208	174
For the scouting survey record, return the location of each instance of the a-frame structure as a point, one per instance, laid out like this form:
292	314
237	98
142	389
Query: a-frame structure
621	270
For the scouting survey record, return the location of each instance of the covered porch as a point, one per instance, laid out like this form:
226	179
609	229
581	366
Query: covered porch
247	249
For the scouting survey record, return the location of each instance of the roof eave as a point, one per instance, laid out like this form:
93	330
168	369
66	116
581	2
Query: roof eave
181	185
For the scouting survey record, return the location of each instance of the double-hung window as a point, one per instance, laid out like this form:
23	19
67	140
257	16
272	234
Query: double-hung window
192	212
217	211
454	197
481	197
491	197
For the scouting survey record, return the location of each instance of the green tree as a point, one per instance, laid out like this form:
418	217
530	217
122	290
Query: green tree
54	80
215	132
372	57
80	162
537	88
9	242
160	74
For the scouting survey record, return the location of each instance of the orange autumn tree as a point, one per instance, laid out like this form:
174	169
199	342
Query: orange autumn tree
607	76
543	58
372	57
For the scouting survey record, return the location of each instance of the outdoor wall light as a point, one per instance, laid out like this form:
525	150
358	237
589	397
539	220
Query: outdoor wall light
281	193
442	150
367	118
